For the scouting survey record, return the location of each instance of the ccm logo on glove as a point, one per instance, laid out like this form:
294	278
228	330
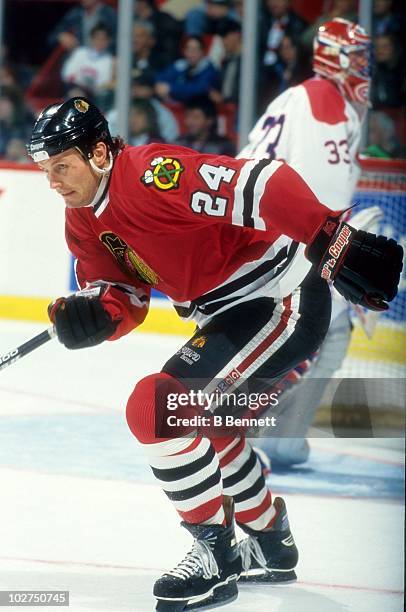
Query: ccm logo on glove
329	266
363	267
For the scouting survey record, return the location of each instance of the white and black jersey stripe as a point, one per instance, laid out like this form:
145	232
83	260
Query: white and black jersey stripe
137	295
249	190
251	280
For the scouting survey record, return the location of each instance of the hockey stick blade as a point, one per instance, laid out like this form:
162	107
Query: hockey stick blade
16	354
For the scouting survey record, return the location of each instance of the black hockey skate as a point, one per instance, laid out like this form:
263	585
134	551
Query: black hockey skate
269	556
207	576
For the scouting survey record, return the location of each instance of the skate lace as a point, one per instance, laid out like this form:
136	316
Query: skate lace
251	548
199	559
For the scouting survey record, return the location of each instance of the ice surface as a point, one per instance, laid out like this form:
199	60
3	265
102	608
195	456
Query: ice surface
80	511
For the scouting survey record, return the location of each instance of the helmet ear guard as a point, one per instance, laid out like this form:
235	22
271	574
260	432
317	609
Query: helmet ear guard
102	171
76	123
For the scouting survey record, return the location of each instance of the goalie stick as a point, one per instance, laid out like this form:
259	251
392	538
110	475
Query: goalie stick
22	350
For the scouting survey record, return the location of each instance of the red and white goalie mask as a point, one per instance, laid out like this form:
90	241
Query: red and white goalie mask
342	53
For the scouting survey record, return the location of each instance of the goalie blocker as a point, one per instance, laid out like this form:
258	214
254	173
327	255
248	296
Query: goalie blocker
363	267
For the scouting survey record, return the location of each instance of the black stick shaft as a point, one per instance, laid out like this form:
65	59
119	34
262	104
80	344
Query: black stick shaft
27	347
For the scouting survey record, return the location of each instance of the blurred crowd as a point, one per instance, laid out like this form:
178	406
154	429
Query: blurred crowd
186	69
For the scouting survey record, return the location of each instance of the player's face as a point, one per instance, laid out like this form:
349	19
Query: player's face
72	177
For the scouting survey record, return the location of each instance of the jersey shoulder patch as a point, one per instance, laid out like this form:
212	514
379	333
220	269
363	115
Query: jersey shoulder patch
326	102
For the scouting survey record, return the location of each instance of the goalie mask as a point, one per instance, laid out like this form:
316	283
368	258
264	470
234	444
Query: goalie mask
76	123
342	53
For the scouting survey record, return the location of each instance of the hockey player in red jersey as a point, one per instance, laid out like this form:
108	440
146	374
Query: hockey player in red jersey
228	242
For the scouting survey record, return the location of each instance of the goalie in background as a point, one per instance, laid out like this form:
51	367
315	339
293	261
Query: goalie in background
316	128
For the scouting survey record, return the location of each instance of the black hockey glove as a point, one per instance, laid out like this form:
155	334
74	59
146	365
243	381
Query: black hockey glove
364	268
81	320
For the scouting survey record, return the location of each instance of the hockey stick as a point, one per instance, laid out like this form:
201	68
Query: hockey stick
27	347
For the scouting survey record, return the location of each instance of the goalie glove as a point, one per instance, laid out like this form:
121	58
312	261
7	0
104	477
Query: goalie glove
82	320
363	267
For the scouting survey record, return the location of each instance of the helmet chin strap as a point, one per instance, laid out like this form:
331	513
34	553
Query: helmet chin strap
104	174
102	171
101	190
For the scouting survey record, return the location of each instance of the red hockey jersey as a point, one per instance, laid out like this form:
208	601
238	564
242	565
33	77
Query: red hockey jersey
208	231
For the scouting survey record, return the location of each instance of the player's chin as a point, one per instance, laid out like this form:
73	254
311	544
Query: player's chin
73	200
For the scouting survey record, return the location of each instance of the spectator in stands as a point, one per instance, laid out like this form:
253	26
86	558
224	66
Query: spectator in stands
146	57
16	151
239	9
15	119
230	32
194	75
205	19
77	91
201	129
92	67
278	19
170	29
382	141
385	21
9	80
143	124
388	75
75	27
291	67
143	89
12	72
346	9
8	123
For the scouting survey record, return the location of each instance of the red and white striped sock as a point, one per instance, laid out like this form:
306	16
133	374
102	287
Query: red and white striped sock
243	480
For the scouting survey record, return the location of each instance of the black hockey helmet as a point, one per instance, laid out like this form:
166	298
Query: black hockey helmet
75	123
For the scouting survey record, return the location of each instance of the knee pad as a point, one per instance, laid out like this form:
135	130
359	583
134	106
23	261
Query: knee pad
147	410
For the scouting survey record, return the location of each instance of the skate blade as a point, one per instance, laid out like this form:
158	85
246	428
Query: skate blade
272	578
221	596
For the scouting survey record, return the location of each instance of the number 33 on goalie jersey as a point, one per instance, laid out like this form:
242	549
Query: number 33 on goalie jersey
208	231
317	132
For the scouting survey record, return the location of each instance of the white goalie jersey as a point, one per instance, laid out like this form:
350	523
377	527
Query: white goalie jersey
316	131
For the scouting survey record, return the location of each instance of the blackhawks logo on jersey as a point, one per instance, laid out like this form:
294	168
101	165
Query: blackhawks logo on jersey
164	173
128	258
81	105
199	341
